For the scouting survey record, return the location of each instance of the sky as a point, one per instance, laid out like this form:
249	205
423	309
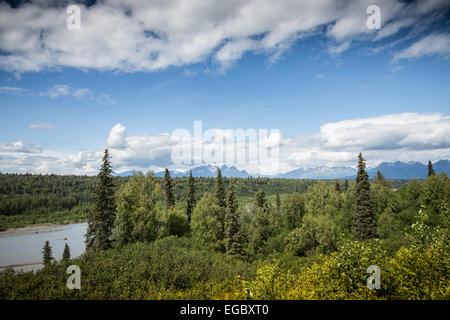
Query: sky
134	72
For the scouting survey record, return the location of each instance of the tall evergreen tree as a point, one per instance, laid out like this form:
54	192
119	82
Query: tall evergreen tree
47	255
260	199
169	197
101	218
337	186
379	178
364	222
278	202
345	185
430	169
220	190
233	241
66	252
190	197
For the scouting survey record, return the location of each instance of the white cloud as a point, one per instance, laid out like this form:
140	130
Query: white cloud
20	146
64	90
40	126
339	48
404	137
13	90
117	138
435	44
152	35
407	130
61	90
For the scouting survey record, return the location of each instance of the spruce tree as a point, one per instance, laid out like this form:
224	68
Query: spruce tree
260	199
364	223
169	197
190	197
345	185
430	169
220	190
379	179
66	252
101	218
232	236
278	202
47	255
337	186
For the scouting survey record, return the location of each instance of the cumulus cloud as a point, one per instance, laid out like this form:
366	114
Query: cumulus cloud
152	35
20	146
408	130
117	138
403	137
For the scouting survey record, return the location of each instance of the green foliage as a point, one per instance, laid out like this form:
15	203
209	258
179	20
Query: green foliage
318	234
260	200
233	239
177	223
278	202
190	202
66	252
322	198
337	186
47	255
293	210
435	195
304	225
208	222
101	219
220	190
140	210
430	169
364	224
169	268
169	197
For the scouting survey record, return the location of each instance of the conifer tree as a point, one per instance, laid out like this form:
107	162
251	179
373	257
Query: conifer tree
345	185
47	255
66	252
169	197
260	199
364	223
220	190
278	202
337	186
190	197
101	218
379	178
232	225
430	169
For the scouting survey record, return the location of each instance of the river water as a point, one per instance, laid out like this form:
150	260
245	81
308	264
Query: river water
22	248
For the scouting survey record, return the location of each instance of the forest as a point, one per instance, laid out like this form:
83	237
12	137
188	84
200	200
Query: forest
27	199
222	238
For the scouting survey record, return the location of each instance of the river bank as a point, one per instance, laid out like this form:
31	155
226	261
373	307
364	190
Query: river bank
21	248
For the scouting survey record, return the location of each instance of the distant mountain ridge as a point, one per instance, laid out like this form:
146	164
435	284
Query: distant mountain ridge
390	170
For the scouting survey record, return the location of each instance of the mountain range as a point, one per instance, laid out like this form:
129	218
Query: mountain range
390	170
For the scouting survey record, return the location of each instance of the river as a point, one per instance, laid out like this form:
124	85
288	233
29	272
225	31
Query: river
22	248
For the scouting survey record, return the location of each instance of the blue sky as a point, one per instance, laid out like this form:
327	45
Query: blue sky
58	109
